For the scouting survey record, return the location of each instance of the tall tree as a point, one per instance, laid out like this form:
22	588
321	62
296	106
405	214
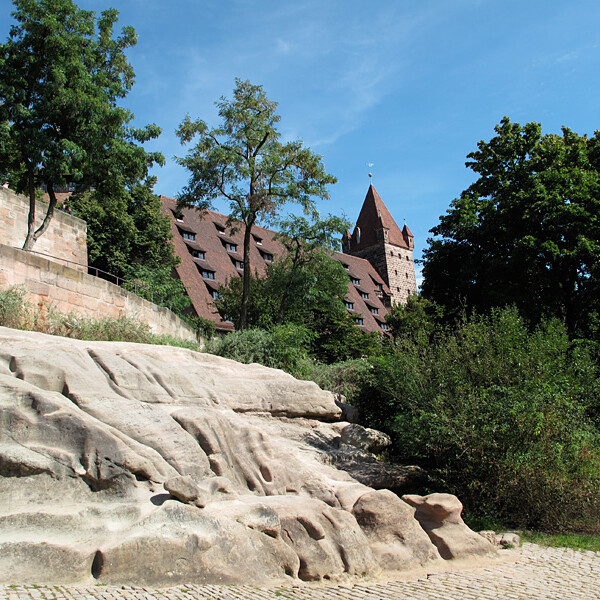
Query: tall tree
62	73
244	162
526	232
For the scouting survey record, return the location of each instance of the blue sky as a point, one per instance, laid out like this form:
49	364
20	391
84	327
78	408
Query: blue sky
408	85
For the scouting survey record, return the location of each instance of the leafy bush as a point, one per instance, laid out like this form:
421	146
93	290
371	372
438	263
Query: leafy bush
13	308
501	416
282	347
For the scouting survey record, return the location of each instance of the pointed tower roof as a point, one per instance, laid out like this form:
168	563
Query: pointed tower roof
375	216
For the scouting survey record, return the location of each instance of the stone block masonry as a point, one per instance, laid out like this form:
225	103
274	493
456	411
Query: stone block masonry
72	291
65	239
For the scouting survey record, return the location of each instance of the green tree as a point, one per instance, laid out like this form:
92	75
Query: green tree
62	74
416	321
129	236
305	242
244	162
526	232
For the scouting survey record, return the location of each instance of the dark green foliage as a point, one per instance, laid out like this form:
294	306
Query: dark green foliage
415	321
62	76
499	415
527	232
129	237
309	295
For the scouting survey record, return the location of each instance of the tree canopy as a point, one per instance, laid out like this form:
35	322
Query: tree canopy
62	73
244	162
526	232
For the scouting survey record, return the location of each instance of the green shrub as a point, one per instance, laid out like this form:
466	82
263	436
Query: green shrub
13	307
499	415
282	347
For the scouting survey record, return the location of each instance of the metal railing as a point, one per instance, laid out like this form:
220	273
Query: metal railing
96	272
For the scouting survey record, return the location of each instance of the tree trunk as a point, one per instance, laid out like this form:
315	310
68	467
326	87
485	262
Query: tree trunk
29	240
33	236
243	324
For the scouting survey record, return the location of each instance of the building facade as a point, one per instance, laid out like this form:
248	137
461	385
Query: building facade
377	256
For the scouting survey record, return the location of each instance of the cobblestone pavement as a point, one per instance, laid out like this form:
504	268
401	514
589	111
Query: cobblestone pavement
548	573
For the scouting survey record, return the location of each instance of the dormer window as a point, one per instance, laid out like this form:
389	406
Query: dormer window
239	265
385	326
267	256
364	295
257	239
379	286
188	235
220	228
374	310
206	274
345	266
359	321
355	280
349	305
178	216
197	253
231	247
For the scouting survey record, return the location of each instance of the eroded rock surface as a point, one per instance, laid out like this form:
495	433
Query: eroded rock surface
149	465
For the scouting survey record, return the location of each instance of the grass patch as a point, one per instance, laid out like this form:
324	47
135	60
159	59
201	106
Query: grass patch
16	312
577	541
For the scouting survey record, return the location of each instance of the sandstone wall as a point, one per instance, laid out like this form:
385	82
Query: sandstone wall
65	238
396	266
72	291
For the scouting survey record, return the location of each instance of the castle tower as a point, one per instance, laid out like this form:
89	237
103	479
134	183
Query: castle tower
378	239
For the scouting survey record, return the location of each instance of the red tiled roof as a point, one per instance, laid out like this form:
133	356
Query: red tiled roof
374	216
219	260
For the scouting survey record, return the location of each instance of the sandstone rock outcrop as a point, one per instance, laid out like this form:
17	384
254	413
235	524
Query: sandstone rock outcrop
149	465
439	516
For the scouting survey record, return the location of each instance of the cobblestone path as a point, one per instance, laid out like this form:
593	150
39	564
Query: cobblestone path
538	573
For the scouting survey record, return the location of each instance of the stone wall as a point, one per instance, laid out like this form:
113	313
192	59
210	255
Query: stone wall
65	239
72	291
